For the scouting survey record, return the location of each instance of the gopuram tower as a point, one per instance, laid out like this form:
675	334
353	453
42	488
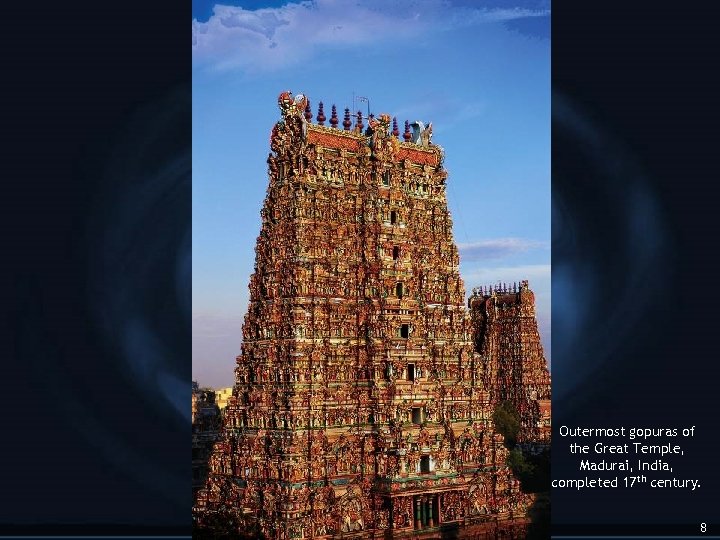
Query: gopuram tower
514	368
361	407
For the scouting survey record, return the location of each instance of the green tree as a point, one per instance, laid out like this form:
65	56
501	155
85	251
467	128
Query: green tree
520	466
533	470
507	422
539	514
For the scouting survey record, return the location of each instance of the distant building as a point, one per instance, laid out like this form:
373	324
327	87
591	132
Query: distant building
222	395
205	424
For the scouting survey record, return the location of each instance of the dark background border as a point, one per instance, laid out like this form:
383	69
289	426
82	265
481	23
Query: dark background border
635	260
94	267
96	138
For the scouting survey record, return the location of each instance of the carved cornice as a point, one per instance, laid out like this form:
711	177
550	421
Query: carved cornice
353	141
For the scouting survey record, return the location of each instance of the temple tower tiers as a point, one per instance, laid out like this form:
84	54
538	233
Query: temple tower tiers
361	405
514	368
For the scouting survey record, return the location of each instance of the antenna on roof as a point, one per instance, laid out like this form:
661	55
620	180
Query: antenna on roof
367	100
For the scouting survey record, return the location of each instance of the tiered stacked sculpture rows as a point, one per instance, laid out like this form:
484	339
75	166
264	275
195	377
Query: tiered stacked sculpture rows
360	407
514	366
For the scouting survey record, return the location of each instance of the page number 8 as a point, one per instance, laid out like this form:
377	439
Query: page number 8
703	527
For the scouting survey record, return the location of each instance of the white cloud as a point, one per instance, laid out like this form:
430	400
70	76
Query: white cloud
496	248
474	276
271	38
261	22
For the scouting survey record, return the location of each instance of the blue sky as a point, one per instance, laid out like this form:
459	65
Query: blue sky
479	71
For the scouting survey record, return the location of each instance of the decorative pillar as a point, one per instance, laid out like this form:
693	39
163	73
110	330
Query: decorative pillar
321	115
431	511
334	117
418	515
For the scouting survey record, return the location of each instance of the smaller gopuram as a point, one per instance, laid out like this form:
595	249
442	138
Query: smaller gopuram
514	367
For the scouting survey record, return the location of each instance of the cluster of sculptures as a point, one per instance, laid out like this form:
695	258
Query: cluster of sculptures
365	389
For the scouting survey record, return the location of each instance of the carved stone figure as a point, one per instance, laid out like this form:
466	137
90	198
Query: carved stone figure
365	388
421	134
